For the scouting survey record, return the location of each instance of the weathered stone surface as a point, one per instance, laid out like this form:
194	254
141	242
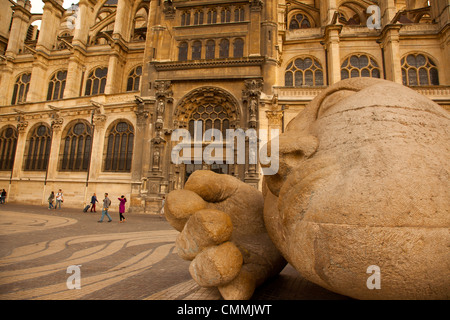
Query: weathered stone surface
363	181
229	216
216	265
205	228
374	192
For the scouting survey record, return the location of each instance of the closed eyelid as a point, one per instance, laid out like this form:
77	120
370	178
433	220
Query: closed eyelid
332	99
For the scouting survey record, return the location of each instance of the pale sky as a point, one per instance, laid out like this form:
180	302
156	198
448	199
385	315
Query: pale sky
36	5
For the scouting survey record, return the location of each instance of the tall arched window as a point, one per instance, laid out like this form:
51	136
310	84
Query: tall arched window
359	65
210	49
239	14
419	70
96	81
8	144
38	146
238	48
299	21
197	50
212	17
224	50
225	15
76	149
134	79
198	18
183	51
21	88
210	116
119	150
186	18
304	72
57	85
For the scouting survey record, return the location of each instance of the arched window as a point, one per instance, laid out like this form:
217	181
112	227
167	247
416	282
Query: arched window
419	70
197	50
186	18
77	147
57	85
21	88
304	72
119	150
198	18
8	144
224	50
212	17
211	116
239	14
225	15
96	82
38	146
299	21
360	65
134	79
210	49
238	48
183	51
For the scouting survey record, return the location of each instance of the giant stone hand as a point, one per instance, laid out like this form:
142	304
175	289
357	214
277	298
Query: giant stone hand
222	231
363	181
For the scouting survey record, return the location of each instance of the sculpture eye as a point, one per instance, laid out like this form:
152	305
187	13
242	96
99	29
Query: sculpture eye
332	99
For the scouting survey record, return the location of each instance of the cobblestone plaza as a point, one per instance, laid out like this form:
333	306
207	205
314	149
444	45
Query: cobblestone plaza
135	260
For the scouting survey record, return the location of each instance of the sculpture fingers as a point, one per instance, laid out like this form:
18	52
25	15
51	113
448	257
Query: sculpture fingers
212	187
180	205
204	229
216	265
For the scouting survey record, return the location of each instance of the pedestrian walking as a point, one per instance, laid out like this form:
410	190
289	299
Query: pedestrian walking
122	200
50	199
3	197
93	201
161	211
106	205
59	199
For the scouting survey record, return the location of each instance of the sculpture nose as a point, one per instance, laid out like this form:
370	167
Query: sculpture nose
294	149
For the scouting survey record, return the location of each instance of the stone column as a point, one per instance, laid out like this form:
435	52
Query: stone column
7	83
57	124
391	44
255	28
123	19
334	58
388	11
19	28
22	126
39	81
51	19
140	155
76	69
115	68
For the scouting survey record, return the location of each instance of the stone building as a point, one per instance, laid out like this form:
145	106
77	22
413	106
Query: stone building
89	101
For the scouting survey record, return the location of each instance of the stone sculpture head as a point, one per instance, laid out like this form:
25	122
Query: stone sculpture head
364	181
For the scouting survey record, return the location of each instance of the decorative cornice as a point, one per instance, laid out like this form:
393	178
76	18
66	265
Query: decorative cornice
181	65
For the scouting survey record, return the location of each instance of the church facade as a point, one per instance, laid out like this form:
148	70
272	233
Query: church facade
90	101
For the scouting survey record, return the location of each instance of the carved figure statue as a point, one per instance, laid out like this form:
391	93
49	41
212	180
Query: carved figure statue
363	181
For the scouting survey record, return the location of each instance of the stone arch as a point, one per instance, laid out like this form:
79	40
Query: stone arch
203	96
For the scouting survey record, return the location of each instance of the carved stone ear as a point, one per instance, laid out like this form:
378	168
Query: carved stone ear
294	149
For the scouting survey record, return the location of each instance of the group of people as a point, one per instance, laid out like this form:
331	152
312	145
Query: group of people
107	204
59	197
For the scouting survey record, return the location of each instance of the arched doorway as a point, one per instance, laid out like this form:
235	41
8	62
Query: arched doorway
207	108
